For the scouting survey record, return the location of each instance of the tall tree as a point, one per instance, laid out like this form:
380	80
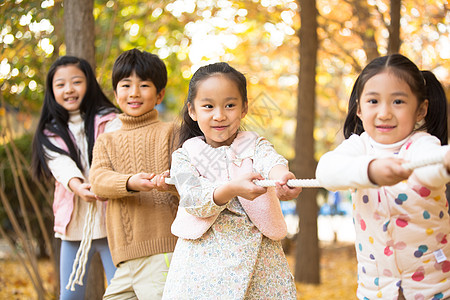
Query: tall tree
366	28
307	254
79	32
394	27
79	29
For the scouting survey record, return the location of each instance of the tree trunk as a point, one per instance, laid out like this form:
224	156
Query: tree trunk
307	268
394	27
95	287
366	29
79	28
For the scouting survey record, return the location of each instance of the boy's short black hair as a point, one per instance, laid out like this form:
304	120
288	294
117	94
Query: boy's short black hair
146	65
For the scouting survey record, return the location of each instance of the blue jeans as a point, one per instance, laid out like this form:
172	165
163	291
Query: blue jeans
68	252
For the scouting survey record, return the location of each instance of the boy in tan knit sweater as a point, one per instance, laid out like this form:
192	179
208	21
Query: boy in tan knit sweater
140	211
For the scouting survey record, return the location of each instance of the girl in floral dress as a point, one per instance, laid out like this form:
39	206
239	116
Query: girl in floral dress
229	229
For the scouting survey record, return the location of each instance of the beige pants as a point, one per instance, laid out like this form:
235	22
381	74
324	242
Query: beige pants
141	278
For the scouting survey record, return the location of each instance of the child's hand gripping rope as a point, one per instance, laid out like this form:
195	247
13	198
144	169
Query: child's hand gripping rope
313	183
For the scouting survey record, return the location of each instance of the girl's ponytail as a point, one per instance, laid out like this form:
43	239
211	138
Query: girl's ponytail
436	118
353	124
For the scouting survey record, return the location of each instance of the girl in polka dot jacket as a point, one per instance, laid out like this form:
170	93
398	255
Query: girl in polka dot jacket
397	113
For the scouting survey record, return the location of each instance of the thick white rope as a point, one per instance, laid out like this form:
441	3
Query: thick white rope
79	264
307	183
433	160
313	183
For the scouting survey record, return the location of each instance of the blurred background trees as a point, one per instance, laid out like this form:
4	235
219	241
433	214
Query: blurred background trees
262	38
259	37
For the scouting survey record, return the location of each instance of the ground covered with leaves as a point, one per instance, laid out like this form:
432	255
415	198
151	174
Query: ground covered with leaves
16	285
338	276
337	273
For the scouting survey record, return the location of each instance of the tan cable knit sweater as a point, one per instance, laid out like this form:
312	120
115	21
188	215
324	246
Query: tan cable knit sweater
138	223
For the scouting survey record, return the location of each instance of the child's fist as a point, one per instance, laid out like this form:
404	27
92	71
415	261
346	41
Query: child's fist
387	171
161	185
141	182
285	192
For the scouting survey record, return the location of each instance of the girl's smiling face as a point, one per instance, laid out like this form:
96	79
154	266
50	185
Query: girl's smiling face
69	87
218	109
388	108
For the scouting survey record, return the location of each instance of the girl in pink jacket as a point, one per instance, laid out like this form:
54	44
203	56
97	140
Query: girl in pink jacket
397	113
74	113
